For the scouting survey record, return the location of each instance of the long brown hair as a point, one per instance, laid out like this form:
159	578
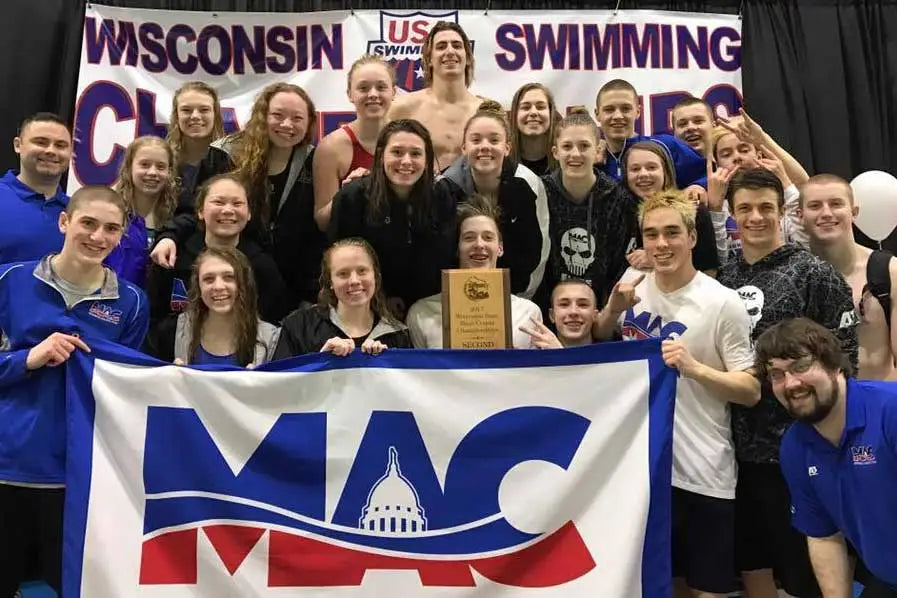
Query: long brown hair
517	137
420	199
163	208
328	297
251	145
245	310
175	135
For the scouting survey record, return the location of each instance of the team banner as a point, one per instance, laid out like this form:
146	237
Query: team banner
414	473
132	61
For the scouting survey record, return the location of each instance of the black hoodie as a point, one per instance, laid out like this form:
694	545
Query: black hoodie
789	282
411	256
523	219
589	238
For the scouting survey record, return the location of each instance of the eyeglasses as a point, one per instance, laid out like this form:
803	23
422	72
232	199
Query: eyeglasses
798	366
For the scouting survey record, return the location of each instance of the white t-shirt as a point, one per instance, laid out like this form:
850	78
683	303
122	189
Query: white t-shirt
713	323
425	322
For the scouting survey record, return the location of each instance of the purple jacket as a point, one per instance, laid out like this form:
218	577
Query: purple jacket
130	259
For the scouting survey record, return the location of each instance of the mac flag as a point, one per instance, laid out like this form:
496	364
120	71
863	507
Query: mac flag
414	473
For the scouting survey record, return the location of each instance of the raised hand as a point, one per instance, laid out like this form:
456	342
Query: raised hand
769	161
623	296
543	338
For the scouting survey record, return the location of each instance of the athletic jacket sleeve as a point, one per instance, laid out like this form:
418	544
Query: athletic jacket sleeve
830	303
532	251
290	343
721	235
138	322
12	364
792	225
691	167
347	212
178	229
272	291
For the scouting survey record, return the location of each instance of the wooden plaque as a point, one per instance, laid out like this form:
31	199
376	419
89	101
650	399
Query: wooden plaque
476	309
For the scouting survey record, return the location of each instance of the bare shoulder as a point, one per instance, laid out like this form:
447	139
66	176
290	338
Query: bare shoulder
334	142
404	106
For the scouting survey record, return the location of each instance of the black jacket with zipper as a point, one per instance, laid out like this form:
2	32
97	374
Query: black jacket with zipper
523	219
291	235
307	329
411	256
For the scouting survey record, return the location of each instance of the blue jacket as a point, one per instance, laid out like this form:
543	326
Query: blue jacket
32	404
29	228
690	166
130	259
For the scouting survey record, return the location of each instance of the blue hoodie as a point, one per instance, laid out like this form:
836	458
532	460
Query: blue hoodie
690	166
29	228
32	404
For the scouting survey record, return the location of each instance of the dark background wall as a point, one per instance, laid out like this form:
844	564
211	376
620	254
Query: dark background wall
820	75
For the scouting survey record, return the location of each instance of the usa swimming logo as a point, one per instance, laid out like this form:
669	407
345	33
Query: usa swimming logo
401	39
392	512
646	325
179	297
103	312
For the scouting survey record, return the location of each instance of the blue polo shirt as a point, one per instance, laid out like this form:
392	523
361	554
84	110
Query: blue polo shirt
29	227
852	487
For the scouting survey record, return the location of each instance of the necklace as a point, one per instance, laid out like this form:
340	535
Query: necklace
619	158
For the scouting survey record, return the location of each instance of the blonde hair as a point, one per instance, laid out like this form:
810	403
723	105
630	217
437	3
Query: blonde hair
370	59
251	145
163	207
673	199
175	135
516	136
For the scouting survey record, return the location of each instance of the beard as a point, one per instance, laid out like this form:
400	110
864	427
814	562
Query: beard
819	406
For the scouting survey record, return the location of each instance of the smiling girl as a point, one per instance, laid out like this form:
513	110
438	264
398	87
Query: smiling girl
534	118
519	195
350	149
408	221
352	310
146	184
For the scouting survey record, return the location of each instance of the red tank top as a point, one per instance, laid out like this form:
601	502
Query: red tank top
360	156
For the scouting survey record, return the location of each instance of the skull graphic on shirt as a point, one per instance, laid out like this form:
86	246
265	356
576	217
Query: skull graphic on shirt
577	250
753	303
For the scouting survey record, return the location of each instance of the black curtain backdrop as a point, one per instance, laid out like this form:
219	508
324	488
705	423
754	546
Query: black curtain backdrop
819	75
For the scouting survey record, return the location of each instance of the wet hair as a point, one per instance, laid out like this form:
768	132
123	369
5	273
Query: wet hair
615	85
659	150
826	179
478	205
427	50
89	193
379	191
166	201
175	135
370	59
797	338
673	199
43	117
755	179
328	297
516	136
252	144
245	308
578	116
490	109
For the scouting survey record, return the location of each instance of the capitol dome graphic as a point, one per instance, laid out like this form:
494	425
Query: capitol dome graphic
393	506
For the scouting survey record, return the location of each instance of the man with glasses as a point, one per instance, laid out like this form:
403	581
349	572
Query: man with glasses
776	281
840	456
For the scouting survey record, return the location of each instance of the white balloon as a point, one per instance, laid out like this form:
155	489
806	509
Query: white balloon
875	192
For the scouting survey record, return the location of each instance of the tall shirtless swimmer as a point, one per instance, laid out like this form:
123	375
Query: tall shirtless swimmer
445	104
